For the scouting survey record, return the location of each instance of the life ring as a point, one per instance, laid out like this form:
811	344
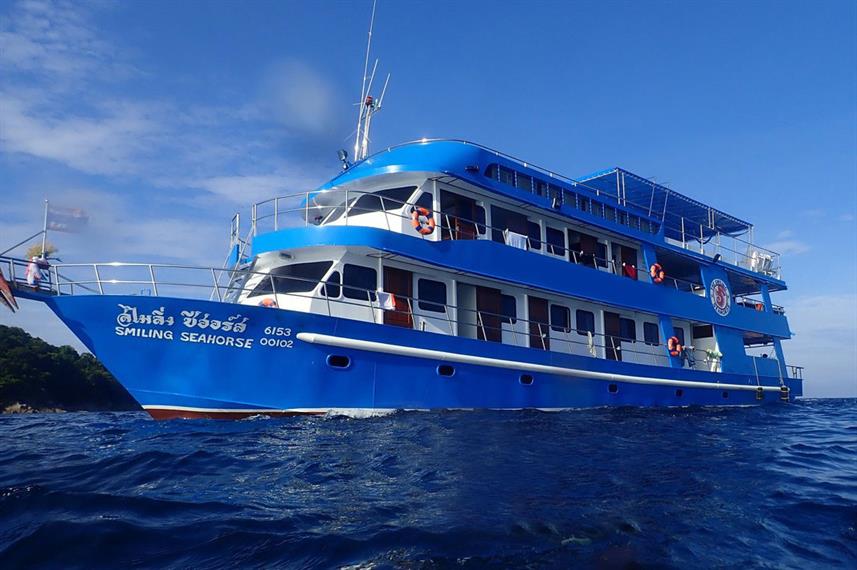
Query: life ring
268	302
418	215
674	346
657	272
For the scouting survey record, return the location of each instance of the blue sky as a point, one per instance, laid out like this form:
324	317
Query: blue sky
164	118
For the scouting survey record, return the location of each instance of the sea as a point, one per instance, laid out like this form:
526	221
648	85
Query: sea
755	487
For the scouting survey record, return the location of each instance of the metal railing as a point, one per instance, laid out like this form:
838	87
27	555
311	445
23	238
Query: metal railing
232	286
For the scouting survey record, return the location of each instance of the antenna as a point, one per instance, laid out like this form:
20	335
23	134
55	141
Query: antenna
368	105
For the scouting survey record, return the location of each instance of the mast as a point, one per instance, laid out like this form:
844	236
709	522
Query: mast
368	105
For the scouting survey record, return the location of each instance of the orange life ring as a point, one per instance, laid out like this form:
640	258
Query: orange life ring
424	228
674	346
657	272
268	302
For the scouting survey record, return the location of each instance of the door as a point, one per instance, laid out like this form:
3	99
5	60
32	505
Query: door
489	306
539	326
401	284
612	336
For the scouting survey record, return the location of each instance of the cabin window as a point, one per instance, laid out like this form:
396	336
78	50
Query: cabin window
623	218
479	216
460	217
610	213
541	188
583	203
507	176
295	278
555	193
524	181
502	219
560	318
703	331
359	282
426	200
628	330
598	209
431	295
509	310
570	198
679	334
585	322
634	222
389	199
556	241
491	171
651	334
333	285
534	236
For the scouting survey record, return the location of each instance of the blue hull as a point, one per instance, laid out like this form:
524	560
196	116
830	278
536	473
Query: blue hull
243	360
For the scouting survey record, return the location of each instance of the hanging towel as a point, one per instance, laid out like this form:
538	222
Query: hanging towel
386	301
515	240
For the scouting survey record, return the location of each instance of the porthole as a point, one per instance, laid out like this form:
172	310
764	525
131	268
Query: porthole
725	394
338	361
446	370
526	379
679	393
613	388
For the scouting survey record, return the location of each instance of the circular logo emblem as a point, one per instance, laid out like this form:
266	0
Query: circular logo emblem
721	300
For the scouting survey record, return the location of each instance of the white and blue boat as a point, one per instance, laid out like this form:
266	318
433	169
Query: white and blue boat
441	274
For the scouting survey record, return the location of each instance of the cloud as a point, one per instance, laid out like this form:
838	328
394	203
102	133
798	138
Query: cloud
846	218
825	328
788	247
298	97
814	213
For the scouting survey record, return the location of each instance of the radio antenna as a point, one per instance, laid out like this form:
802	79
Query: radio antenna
368	104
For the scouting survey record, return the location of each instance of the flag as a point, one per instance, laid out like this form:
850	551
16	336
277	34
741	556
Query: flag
70	220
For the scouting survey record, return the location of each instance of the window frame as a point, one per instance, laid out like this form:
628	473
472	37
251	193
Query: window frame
432	306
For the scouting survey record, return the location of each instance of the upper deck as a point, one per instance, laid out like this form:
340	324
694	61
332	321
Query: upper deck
614	200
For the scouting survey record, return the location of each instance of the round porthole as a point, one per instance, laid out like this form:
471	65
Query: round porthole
526	379
725	394
613	388
446	370
679	393
338	361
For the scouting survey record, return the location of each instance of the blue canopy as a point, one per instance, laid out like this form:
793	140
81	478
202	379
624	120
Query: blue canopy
681	216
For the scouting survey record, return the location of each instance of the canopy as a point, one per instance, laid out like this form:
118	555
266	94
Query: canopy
675	210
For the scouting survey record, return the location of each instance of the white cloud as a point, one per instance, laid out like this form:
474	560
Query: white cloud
825	343
298	97
788	247
846	218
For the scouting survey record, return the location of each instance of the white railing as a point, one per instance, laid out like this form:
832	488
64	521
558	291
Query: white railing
225	285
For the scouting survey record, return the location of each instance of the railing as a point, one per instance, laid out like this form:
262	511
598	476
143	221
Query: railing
757	304
227	285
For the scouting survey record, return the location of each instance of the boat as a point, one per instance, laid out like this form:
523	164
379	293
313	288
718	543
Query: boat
439	275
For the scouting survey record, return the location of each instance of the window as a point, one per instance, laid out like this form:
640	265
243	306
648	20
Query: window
359	282
507	176
623	218
491	171
601	254
634	222
534	236
598	209
541	188
610	213
583	203
628	330
703	331
425	201
555	193
651	334
509	310
679	333
524	181
389	199
479	212
585	322
560	318
431	295
333	285
295	278
556	241
502	219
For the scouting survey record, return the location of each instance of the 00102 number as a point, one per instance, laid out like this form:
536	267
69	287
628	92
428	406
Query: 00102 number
278	331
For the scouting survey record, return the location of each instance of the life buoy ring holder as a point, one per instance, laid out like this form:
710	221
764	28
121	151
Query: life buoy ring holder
674	346
422	227
657	273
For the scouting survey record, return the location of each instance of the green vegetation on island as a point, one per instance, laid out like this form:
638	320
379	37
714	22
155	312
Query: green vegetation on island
37	376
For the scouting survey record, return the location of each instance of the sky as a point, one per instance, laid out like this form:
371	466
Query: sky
162	119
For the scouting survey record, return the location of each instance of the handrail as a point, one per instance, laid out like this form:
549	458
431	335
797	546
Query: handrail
710	247
695	358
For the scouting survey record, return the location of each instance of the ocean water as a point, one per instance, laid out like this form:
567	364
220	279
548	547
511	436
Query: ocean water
772	487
